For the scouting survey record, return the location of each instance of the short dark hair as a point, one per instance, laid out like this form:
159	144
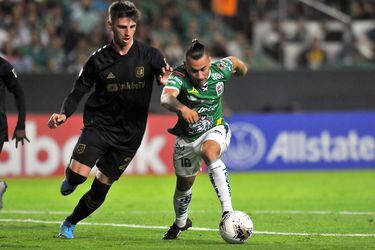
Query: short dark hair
122	8
196	50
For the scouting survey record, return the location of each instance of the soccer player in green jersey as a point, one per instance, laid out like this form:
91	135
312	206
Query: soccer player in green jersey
194	91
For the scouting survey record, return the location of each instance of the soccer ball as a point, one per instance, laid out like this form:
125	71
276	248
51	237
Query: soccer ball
236	227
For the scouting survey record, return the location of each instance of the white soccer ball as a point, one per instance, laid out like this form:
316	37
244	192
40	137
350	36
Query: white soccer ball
236	227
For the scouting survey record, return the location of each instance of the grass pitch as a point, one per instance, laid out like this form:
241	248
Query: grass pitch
290	210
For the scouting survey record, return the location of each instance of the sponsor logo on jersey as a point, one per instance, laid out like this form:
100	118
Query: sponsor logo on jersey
227	64
203	109
114	87
219	88
139	71
110	76
217	76
203	124
174	80
248	146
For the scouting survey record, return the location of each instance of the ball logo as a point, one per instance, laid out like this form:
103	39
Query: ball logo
247	146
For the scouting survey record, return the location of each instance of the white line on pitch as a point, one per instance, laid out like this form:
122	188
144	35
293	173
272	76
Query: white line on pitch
271	212
312	212
31	212
204	211
193	228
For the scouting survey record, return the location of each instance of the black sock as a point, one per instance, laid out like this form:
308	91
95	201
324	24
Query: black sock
89	202
73	178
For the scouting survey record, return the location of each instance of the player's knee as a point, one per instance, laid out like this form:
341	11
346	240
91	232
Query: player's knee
184	183
103	178
79	168
209	155
74	178
210	151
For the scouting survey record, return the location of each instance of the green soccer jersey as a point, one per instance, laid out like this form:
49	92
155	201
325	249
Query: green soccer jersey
206	100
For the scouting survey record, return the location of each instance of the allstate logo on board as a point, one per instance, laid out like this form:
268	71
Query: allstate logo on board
247	146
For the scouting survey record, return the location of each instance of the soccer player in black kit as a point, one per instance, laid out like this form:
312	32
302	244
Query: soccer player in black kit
115	114
8	80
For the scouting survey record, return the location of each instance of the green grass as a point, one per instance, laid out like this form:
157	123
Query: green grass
147	200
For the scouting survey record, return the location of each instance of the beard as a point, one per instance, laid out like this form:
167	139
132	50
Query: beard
119	42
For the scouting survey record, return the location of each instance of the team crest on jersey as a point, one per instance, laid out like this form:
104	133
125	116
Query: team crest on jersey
179	150
139	72
80	149
219	88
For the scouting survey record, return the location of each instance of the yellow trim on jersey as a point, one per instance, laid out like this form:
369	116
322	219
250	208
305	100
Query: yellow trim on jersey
193	91
219	121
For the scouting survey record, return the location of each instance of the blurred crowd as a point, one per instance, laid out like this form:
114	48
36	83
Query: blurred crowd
58	36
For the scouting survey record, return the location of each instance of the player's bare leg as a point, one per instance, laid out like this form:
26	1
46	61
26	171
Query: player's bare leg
181	201
75	174
217	171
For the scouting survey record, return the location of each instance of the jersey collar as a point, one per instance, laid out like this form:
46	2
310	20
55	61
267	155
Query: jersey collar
113	47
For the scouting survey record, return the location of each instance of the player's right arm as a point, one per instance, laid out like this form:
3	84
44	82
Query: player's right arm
239	66
69	106
170	102
82	85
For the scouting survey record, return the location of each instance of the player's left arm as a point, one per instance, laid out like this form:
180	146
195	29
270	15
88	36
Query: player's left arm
12	84
239	67
161	67
166	71
169	101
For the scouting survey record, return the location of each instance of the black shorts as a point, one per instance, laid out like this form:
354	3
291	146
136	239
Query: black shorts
92	149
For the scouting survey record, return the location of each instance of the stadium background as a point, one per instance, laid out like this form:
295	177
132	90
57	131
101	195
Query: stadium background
306	60
308	103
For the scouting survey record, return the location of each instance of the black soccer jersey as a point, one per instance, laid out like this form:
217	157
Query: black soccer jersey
8	80
123	85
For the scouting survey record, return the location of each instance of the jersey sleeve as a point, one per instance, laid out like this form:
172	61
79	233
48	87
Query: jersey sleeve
86	77
157	61
225	65
174	82
11	82
83	84
9	75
